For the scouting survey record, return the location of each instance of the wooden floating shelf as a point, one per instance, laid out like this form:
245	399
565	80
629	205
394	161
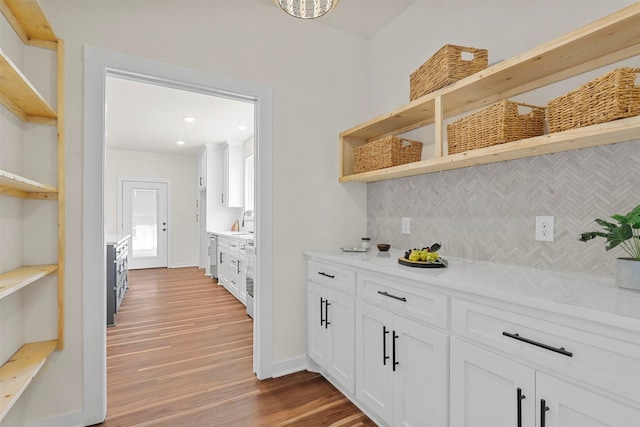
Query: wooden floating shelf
606	41
17	186
20	369
14	280
29	22
21	97
589	136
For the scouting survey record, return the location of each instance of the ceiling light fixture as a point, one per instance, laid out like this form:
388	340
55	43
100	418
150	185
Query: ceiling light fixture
180	142
306	9
189	119
242	127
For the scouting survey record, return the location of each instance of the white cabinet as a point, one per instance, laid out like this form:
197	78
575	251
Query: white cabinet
230	264
330	325
491	390
566	404
223	261
233	176
401	368
202	169
432	351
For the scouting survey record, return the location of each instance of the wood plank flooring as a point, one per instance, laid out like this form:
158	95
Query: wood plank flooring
181	355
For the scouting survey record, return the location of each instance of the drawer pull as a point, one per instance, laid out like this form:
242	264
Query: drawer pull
560	350
387	294
330	276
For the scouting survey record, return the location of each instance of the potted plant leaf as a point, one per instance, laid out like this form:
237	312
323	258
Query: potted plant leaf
626	234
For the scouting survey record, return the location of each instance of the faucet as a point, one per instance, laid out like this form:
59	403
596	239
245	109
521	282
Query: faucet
248	214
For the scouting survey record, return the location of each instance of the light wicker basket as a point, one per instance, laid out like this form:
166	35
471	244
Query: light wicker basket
614	95
446	66
499	123
385	152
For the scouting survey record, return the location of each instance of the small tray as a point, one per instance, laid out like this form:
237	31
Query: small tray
354	249
439	263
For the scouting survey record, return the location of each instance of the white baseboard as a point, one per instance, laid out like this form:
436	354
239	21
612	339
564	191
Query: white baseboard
70	420
290	366
183	264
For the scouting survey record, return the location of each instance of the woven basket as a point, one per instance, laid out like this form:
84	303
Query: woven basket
385	152
612	96
497	124
446	66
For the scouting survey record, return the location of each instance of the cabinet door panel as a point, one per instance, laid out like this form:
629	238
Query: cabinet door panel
317	339
374	381
573	406
420	378
341	318
484	389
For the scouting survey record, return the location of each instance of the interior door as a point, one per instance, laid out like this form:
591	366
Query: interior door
144	217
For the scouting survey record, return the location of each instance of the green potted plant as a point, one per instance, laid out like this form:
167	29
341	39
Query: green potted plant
626	234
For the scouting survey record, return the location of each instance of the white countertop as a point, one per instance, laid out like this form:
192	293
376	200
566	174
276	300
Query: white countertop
237	235
576	294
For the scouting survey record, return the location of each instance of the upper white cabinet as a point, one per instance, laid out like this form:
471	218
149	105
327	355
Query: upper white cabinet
606	41
233	176
202	169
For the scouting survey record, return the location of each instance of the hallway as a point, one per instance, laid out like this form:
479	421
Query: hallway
181	355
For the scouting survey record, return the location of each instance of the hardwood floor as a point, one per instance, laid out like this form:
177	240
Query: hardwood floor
181	355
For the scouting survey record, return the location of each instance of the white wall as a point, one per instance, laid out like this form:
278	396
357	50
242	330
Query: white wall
181	172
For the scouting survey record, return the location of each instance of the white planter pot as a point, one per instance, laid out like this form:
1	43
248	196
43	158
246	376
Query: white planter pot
628	273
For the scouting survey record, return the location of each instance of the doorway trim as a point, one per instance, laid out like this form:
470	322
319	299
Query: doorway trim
98	63
120	208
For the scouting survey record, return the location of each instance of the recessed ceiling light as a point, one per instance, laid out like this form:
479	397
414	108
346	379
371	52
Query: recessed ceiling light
242	127
189	119
180	142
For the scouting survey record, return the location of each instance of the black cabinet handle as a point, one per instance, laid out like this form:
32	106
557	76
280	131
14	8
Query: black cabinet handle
520	396
560	350
330	276
387	294
384	345
220	257
543	412
326	314
321	307
393	351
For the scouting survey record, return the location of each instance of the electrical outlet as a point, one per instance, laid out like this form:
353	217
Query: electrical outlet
406	225
544	228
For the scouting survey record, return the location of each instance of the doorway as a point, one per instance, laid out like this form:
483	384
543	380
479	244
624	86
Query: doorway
98	63
144	217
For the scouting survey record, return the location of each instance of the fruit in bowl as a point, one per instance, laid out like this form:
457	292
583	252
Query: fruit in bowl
426	254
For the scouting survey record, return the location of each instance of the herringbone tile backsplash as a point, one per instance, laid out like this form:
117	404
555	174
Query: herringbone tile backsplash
488	212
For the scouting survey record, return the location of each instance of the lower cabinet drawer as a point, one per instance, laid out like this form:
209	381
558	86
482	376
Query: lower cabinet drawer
331	275
407	300
595	358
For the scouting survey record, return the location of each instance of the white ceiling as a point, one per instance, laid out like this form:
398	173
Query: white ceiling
147	117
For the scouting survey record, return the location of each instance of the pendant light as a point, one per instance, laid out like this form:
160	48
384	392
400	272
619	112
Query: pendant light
306	9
